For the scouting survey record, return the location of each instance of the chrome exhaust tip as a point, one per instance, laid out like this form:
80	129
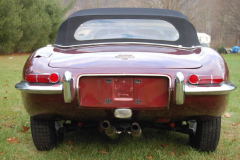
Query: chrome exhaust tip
109	129
105	124
136	130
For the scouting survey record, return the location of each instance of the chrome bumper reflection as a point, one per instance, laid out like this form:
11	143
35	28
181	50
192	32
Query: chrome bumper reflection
179	88
38	88
68	87
223	88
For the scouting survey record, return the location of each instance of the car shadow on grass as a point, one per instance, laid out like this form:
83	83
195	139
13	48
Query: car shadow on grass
152	139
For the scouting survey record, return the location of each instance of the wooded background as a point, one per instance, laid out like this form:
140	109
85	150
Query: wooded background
27	25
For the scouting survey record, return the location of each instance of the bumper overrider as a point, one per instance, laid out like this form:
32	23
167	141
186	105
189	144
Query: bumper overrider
67	88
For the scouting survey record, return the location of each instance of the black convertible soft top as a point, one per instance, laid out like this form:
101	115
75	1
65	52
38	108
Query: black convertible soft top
187	32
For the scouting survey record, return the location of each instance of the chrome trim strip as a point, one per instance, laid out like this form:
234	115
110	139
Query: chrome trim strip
223	88
145	75
140	43
68	87
39	88
179	88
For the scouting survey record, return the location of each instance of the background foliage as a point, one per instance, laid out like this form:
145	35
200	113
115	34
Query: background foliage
218	18
26	25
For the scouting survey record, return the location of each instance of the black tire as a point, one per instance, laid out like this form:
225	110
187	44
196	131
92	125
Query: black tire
207	135
43	134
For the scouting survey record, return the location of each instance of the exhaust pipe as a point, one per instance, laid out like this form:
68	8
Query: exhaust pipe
109	129
136	130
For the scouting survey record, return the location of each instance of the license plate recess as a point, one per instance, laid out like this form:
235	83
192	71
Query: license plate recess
124	92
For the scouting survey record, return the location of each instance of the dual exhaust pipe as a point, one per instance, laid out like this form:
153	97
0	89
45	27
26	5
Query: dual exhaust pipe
113	133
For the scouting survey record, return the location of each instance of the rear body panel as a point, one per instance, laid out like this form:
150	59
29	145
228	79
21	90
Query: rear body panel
151	100
125	60
54	107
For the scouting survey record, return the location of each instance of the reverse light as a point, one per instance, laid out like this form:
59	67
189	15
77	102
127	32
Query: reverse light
203	79
43	78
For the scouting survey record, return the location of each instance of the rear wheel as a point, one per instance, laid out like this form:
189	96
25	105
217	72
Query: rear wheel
43	134
207	135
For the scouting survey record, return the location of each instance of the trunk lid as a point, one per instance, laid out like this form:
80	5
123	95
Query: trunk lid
163	59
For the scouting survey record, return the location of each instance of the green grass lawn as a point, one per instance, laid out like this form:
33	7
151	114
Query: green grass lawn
154	144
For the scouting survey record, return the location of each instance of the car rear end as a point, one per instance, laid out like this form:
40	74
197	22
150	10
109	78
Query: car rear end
122	70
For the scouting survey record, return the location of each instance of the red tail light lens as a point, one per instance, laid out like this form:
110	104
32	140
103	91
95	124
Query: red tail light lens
43	78
217	79
196	79
31	78
193	79
54	77
205	80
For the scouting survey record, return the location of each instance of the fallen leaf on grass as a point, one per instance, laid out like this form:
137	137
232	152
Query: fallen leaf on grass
233	140
150	157
12	140
164	145
1	152
235	124
6	118
103	152
12	126
25	129
9	124
6	85
228	115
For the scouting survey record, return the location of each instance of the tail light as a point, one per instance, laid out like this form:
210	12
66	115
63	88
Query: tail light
202	79
54	77
43	78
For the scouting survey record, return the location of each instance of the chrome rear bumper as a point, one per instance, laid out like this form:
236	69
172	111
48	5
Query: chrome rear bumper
181	89
66	88
40	88
223	88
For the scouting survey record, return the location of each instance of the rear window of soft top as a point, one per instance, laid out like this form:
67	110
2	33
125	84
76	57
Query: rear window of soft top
126	29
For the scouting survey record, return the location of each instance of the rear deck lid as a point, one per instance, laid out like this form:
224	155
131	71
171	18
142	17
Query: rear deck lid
125	60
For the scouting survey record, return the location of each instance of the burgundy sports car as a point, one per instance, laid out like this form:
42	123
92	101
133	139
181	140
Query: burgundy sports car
124	69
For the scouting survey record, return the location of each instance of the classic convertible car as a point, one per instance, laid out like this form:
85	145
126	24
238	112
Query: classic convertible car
124	69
